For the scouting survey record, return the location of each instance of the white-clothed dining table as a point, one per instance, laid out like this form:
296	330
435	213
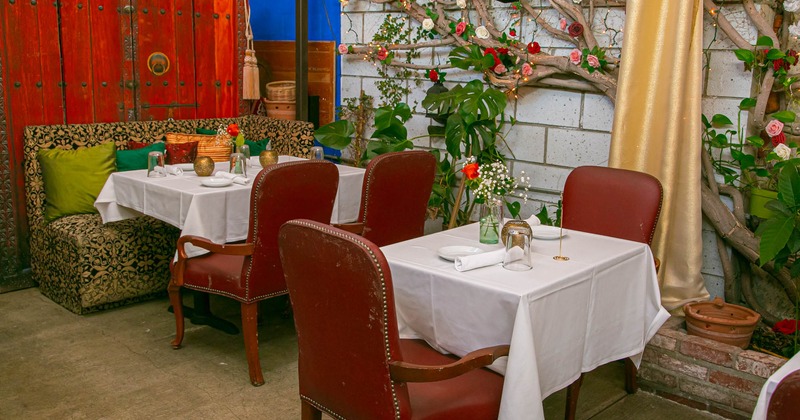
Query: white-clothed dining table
560	318
219	214
793	364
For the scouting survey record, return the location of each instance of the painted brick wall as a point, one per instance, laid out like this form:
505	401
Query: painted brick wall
558	130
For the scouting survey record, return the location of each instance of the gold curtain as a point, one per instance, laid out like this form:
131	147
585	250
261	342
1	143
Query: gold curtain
657	130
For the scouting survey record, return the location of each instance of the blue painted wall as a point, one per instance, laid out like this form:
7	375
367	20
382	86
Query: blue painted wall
273	20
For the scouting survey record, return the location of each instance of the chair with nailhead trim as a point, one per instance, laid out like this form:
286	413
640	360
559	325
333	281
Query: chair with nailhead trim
352	363
250	272
394	197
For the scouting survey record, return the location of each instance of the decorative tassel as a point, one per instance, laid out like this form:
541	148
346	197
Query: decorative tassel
250	84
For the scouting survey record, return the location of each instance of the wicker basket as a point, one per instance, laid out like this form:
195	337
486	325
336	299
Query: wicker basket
281	91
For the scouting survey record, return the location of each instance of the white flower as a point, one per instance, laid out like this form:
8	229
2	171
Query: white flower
783	151
791	5
794	29
344	3
427	24
462	3
481	32
576	1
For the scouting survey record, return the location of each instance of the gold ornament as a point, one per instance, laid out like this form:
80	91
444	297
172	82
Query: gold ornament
519	225
268	157
203	166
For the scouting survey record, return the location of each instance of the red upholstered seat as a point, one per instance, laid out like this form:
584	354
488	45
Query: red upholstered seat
352	363
785	401
394	197
250	272
612	202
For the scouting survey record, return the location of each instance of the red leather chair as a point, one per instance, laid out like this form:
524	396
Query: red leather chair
352	364
394	197
251	272
612	202
785	401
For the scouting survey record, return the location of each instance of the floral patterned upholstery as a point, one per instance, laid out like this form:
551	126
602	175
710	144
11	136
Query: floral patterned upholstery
85	265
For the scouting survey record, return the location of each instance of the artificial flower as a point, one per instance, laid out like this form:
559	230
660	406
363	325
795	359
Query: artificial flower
575	56
512	32
773	128
791	5
382	54
233	130
427	24
462	3
534	48
779	139
527	69
783	151
576	1
794	29
502	51
433	75
562	23
470	170
481	32
779	63
491	51
500	68
575	29
785	326
343	49
461	27
593	61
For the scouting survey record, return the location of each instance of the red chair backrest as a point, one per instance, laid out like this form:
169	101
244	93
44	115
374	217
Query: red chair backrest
341	291
612	202
394	197
785	401
282	192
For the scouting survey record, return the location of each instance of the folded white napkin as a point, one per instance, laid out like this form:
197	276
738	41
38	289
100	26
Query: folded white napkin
173	170
471	262
238	179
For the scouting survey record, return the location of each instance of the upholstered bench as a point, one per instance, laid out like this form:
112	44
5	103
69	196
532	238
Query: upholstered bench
85	265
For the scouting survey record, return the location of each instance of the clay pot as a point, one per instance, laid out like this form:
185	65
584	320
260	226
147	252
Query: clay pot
720	321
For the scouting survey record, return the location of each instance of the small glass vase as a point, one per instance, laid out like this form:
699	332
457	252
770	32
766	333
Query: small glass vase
491	214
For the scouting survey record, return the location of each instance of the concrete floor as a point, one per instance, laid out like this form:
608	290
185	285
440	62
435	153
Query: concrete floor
118	364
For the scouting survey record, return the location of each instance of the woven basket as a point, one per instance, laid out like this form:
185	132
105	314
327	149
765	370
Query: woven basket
280	110
207	145
280	91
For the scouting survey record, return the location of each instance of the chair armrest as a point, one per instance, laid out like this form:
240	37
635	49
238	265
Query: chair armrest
410	372
228	249
355	227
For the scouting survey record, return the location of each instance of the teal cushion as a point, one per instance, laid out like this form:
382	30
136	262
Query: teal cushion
131	160
199	130
74	178
256	147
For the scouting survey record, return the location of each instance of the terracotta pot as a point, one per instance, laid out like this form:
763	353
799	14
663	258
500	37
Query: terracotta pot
720	321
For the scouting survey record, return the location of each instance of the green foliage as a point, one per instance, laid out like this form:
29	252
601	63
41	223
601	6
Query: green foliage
336	135
470	57
780	234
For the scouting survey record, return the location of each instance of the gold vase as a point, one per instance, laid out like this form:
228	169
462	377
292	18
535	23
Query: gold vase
268	157
203	166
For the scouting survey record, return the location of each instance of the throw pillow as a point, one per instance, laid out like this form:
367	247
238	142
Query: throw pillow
256	147
207	145
133	145
74	178
181	152
199	130
131	160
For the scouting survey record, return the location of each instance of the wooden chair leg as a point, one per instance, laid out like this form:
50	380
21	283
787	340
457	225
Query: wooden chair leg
572	398
631	384
250	333
177	308
309	412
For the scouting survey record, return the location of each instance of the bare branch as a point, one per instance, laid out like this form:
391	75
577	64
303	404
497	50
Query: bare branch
725	25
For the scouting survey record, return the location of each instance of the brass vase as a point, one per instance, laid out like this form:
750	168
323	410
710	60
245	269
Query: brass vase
203	166
268	157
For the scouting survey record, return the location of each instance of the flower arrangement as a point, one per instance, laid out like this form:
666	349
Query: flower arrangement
236	136
491	183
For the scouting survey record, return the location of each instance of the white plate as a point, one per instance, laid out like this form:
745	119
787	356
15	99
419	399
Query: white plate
185	166
216	182
451	252
548	232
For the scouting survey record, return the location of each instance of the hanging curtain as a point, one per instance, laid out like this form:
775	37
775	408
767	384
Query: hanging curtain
250	88
657	130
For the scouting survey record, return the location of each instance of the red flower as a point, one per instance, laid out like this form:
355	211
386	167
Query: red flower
780	63
502	51
382	54
793	53
534	48
461	27
512	32
433	75
471	170
233	130
575	29
779	139
786	326
491	51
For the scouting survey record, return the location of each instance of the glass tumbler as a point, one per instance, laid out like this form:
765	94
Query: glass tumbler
245	150
317	153
155	165
238	164
518	249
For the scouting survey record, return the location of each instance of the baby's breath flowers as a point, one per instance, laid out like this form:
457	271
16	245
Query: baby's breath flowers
491	182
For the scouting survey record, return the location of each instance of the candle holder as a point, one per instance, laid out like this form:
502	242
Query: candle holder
560	256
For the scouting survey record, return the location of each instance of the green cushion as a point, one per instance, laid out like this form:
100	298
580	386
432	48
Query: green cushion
199	130
131	160
256	147
74	178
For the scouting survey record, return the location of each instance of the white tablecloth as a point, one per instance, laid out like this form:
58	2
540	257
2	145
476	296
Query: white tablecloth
561	318
760	413
218	214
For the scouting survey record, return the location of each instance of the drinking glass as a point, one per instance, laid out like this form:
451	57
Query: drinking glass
155	165
518	249
317	153
238	164
245	150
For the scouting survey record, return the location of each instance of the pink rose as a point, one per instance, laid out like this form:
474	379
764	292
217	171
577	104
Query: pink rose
593	61
562	24
461	27
575	56
774	128
500	68
527	70
382	54
342	49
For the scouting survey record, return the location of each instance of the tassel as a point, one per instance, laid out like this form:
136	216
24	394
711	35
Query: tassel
250	85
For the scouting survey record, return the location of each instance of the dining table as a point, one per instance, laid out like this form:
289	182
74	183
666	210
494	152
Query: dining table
563	317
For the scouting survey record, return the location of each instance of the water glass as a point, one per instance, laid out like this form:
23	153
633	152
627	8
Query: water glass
245	150
238	164
155	165
317	153
518	249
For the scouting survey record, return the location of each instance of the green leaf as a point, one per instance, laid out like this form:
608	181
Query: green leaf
764	41
745	55
706	124
784	116
513	208
470	57
774	54
454	135
774	233
719	120
789	186
747	103
336	135
756	141
719	141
